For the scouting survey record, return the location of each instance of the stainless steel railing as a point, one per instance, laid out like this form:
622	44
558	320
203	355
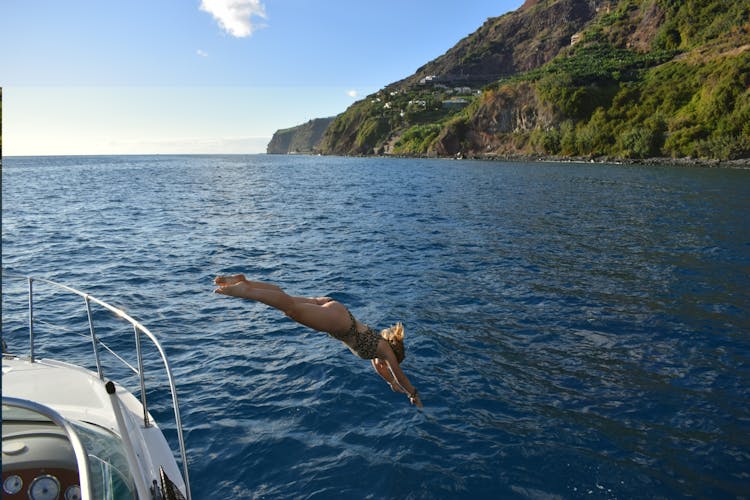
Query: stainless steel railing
139	331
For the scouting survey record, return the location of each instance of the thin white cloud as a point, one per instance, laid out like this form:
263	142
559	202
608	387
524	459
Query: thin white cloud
201	53
235	16
352	93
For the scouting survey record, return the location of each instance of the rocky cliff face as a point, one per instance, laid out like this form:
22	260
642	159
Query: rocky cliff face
499	113
514	43
300	139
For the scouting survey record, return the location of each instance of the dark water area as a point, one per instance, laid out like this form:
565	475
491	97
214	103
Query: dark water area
575	330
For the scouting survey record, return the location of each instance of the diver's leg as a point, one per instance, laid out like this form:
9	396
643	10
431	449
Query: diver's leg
223	281
330	316
272	296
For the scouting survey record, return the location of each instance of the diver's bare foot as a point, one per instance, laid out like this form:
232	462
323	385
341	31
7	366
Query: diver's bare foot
223	281
241	288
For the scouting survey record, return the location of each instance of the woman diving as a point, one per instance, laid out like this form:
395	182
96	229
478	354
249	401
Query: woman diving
385	351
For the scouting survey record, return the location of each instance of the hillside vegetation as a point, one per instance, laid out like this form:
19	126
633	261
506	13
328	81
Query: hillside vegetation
583	78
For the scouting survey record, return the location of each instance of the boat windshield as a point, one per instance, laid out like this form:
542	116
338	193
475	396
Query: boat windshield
108	464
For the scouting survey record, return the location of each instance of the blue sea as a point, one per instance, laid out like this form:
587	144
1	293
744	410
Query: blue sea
575	330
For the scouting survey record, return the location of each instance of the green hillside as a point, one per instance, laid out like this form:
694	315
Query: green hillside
584	78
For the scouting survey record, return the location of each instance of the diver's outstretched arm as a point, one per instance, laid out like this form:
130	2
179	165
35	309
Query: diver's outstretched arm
382	369
386	353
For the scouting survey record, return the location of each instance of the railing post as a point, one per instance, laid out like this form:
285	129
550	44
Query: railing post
31	320
146	422
99	370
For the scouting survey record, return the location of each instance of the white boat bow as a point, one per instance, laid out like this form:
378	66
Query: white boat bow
70	432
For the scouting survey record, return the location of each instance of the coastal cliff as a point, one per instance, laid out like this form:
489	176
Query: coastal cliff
300	139
612	79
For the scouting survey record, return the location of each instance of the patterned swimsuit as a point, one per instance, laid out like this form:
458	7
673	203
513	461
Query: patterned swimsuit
365	344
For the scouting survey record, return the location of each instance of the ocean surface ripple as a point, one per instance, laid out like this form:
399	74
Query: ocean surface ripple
575	330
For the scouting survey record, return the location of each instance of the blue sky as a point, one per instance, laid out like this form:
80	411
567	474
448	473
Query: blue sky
205	76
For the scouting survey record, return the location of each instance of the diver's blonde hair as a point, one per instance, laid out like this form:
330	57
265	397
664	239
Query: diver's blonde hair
395	337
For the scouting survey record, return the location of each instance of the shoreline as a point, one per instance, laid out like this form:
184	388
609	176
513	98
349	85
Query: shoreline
740	163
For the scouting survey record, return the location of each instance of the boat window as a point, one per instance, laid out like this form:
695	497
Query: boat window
108	464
